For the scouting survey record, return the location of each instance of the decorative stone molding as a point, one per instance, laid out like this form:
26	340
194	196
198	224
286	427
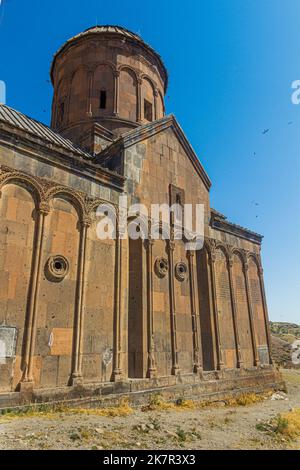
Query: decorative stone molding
44	190
181	271
57	268
161	267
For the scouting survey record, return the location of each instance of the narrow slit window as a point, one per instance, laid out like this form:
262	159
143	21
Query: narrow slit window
148	110
178	211
102	99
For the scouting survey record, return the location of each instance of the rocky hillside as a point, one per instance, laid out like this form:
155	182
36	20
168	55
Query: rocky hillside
287	331
283	336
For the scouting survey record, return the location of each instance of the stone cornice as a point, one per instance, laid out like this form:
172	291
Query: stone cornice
47	152
219	222
100	34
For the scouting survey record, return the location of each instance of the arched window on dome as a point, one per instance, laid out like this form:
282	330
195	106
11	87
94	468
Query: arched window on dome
148	112
102	99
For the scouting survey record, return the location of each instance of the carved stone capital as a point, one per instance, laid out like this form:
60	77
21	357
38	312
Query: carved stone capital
246	267
190	254
85	222
149	243
171	245
43	208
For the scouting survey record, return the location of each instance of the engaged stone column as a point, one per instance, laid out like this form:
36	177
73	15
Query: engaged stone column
79	306
266	317
117	364
220	363
90	89
252	328
139	100
197	361
175	366
116	92
28	379
234	314
155	104
151	372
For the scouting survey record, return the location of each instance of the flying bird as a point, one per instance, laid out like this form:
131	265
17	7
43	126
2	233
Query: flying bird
265	131
290	122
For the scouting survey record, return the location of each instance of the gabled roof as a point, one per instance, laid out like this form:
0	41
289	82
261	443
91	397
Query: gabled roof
148	130
17	119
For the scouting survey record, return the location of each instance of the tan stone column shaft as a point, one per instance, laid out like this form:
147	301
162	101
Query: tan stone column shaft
79	305
265	308
90	89
42	211
139	100
155	104
234	314
197	361
250	310
220	363
117	367
151	372
175	366
116	92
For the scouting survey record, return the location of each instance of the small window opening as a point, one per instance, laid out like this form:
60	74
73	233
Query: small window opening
179	208
102	99
148	110
178	199
58	265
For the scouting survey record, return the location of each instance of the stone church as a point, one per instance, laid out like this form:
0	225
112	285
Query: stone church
79	315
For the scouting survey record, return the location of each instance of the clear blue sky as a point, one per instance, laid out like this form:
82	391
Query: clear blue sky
231	64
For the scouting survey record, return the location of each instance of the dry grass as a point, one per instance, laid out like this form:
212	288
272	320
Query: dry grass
285	426
247	399
288	424
51	412
123	409
244	399
157	402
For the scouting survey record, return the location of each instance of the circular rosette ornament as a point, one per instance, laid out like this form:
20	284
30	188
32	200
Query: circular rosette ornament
161	267
181	271
57	267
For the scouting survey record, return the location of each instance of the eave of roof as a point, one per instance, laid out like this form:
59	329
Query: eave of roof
37	129
219	222
16	124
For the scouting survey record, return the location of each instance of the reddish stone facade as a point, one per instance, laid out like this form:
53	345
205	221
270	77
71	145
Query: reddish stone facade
76	311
